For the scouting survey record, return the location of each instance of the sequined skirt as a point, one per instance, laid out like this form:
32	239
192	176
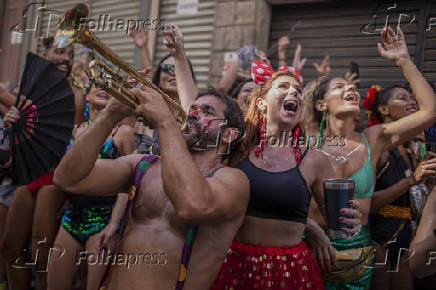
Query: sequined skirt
249	267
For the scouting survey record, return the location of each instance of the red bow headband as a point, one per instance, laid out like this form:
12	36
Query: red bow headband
262	71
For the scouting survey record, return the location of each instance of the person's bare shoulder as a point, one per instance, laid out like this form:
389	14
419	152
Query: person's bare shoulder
237	184
373	134
315	163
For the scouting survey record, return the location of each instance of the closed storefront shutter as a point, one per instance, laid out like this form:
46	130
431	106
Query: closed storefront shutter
116	38
197	31
429	67
335	28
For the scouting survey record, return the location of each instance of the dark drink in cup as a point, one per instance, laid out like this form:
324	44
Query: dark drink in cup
337	193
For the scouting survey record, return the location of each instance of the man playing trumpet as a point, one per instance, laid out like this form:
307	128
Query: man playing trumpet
188	186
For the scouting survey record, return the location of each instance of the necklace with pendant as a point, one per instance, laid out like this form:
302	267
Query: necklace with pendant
341	159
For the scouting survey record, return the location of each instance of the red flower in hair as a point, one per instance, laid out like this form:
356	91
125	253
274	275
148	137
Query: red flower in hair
373	121
369	102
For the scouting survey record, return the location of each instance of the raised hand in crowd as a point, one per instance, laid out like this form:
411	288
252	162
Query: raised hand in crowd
230	74
394	46
186	87
395	49
324	69
174	40
282	46
140	38
351	78
298	63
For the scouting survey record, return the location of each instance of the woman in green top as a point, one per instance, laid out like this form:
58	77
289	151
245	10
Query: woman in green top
335	104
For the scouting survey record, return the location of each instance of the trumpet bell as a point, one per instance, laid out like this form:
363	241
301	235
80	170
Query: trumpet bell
69	31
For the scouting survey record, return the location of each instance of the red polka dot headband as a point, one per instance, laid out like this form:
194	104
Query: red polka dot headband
262	71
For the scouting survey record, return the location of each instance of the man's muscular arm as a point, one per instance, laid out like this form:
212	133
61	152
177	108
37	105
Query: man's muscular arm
81	172
196	199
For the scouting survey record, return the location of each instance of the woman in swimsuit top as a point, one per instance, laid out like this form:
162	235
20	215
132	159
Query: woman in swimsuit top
90	222
172	70
336	104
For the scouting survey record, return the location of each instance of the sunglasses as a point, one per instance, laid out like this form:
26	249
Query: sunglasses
168	68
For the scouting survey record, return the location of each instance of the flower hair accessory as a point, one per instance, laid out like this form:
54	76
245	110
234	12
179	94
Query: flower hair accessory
369	104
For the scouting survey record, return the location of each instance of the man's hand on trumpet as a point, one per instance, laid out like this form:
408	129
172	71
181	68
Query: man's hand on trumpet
152	107
134	82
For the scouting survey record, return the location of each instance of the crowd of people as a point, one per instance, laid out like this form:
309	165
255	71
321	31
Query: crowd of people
138	203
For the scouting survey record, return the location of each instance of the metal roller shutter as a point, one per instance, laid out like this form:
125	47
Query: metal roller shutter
117	40
334	29
429	57
197	31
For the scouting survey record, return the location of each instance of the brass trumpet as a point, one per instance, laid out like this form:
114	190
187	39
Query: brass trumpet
82	86
68	32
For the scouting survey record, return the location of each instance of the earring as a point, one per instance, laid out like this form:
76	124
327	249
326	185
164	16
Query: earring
261	126
297	149
321	130
261	105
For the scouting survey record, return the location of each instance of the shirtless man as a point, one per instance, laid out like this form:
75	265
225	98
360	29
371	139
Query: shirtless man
174	192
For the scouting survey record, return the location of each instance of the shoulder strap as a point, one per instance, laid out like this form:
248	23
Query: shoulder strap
140	169
187	247
367	146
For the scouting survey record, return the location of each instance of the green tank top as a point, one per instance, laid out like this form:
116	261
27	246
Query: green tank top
364	179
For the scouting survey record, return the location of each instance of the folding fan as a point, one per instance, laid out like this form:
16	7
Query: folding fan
46	105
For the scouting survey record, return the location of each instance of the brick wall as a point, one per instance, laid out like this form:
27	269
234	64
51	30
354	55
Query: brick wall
237	23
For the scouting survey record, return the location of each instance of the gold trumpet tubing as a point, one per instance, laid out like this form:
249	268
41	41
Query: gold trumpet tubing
90	40
112	73
121	91
121	94
77	84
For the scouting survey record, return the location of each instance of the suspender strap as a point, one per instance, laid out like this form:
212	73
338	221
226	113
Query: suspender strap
187	247
140	169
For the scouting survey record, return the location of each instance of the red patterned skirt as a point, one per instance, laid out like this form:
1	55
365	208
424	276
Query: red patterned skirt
248	267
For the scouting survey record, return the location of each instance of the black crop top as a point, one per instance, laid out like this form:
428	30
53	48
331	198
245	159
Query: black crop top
280	195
